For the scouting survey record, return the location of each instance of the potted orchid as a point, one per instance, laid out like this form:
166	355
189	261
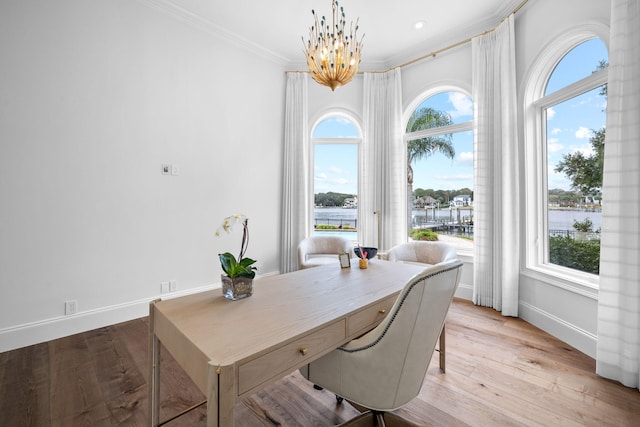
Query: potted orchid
237	282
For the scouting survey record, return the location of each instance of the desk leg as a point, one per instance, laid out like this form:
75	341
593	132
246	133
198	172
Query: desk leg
221	396
154	371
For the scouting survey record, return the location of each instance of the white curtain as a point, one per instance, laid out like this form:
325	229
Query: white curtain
295	180
383	184
496	160
618	348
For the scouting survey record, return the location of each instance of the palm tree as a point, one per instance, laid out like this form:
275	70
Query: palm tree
421	119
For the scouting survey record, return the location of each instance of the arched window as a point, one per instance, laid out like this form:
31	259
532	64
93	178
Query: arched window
335	141
565	144
439	138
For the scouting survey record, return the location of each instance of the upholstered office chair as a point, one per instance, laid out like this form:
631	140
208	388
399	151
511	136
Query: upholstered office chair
385	368
430	253
319	250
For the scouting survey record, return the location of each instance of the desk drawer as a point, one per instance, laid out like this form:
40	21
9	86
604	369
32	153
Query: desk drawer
368	318
285	359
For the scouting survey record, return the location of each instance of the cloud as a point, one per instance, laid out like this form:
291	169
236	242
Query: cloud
555	131
321	176
462	104
583	133
340	119
557	179
465	158
586	150
553	146
335	169
550	113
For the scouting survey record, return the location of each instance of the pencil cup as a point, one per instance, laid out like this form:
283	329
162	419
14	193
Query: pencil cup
363	263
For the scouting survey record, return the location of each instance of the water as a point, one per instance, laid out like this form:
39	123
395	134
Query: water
558	219
563	219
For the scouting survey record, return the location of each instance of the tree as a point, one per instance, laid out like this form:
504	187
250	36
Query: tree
331	199
585	172
426	118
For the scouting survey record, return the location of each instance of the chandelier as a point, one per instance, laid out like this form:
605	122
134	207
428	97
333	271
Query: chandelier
333	55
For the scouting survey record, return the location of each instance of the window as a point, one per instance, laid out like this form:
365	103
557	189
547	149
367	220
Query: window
439	137
565	140
335	149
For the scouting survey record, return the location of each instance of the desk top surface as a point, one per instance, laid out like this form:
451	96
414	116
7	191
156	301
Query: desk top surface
281	308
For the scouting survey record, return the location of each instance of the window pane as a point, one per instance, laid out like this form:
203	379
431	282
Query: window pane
336	127
579	63
575	145
335	190
443	109
442	191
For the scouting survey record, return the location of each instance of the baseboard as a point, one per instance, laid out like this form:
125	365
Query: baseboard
582	340
58	327
464	292
50	329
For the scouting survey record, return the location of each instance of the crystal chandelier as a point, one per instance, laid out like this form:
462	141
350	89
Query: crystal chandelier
333	55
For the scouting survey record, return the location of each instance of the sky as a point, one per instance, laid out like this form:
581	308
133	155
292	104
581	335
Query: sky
569	127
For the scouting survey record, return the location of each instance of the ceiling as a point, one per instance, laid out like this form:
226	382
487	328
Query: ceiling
275	28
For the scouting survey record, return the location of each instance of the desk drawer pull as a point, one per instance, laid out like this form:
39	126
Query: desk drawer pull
304	351
382	311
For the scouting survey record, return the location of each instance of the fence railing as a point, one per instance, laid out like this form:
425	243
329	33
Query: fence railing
587	235
339	223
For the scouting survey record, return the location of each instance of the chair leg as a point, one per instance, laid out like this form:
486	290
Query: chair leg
442	348
378	419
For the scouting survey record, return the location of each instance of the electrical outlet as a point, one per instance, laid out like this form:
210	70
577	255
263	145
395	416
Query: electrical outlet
70	307
164	287
175	170
165	169
173	285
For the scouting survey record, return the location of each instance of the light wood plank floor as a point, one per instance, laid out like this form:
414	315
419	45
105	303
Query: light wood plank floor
500	372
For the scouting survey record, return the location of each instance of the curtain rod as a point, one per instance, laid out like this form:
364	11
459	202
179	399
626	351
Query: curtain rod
439	51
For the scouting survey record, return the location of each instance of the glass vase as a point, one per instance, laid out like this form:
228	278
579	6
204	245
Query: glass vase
237	287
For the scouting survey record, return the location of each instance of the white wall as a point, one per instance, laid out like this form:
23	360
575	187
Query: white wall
94	97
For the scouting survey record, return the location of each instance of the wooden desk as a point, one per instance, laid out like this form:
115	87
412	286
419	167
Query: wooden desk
231	349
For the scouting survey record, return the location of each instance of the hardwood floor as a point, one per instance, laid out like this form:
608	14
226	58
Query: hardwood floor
500	372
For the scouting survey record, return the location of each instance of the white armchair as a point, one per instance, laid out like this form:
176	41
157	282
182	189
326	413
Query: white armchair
423	252
385	368
319	250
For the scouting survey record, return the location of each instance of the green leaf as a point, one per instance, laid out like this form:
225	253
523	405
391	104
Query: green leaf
228	262
234	268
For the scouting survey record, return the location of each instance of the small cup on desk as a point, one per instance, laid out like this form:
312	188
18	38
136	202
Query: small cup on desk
365	253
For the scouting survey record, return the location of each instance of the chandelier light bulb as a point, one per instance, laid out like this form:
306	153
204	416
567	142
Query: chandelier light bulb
329	47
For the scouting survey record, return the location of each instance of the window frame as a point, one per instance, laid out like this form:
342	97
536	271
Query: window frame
335	141
536	242
425	133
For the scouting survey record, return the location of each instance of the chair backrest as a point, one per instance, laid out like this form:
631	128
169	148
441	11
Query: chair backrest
422	251
396	354
322	245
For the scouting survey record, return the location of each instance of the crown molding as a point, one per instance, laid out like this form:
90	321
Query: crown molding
199	23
